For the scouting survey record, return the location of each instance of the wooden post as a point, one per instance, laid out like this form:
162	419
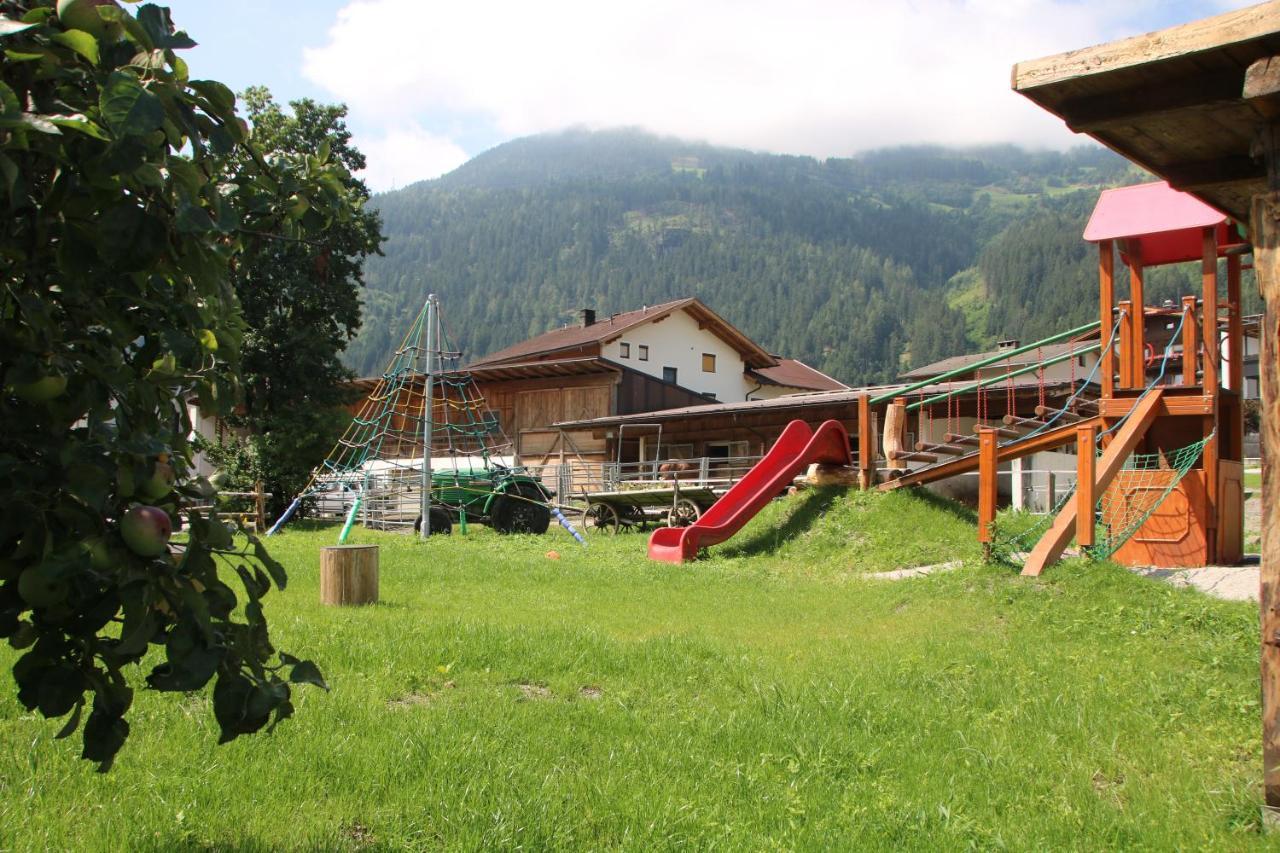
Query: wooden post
1086	462
349	574
1235	328
988	486
1209	283
1106	307
1126	344
1190	343
1051	491
1137	319
895	430
259	507
1266	263
866	445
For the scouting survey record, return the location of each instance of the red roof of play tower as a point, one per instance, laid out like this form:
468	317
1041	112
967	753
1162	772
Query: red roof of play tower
1166	223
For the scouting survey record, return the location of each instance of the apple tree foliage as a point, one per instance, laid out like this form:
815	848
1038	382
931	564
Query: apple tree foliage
129	193
301	303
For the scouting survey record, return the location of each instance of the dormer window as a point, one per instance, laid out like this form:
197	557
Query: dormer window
624	350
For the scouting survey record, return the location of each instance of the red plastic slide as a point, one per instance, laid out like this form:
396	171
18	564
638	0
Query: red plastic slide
795	449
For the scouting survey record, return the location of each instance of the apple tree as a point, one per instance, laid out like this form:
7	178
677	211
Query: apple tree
129	190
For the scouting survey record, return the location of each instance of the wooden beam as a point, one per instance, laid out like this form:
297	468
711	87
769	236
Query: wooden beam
1169	406
1195	91
1086	470
1138	319
1050	547
1201	174
1217	32
866	446
1125	345
1265	231
1190	342
988	486
1106	313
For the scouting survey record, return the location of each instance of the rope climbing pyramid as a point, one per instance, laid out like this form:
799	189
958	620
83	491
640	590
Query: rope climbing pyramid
378	469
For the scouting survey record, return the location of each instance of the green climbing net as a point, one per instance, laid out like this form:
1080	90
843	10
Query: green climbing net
1139	489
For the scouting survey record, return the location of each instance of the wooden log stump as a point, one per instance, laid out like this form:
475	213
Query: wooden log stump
831	475
349	574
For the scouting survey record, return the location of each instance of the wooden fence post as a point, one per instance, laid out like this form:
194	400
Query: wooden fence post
988	486
1086	463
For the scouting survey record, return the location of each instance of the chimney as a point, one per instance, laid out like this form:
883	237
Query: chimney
1012	343
588	316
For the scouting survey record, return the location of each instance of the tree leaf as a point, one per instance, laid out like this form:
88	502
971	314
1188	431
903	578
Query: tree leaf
306	672
40	123
73	722
128	108
9	104
81	123
81	42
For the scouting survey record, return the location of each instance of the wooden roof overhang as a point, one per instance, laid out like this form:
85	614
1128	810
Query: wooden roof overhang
1172	101
550	369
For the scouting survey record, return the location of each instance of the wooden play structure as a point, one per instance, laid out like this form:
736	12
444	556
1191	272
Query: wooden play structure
1159	440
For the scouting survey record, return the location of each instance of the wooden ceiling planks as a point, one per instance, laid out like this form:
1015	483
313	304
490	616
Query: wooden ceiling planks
1170	101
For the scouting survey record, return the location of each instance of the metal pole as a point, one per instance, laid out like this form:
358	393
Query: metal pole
428	414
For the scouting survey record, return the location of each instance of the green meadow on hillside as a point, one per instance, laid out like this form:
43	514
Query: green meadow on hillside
771	695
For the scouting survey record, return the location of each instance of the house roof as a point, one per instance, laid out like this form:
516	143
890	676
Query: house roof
1163	224
956	362
1176	101
793	373
606	329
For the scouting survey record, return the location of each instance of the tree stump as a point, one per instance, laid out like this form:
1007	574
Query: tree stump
349	574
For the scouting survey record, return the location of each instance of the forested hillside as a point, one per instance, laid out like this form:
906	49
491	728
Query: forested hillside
862	267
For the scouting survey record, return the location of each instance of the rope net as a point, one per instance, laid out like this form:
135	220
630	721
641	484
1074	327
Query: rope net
378	461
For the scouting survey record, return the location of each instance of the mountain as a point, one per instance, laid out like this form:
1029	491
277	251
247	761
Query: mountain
861	267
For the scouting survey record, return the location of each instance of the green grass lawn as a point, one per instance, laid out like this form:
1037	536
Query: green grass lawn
769	696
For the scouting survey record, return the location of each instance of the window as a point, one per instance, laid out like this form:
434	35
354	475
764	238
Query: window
669	375
708	363
624	350
643	352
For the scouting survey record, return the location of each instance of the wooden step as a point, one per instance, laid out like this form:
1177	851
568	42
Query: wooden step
1062	415
949	449
1026	423
957	438
907	456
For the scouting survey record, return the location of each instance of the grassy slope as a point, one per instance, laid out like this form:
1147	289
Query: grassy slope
767	696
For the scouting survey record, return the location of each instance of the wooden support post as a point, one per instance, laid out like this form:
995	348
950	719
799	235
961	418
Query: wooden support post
259	508
1266	263
1190	341
895	430
1235	328
988	486
1086	498
349	574
866	445
1126	344
1209	283
1138	318
1106	307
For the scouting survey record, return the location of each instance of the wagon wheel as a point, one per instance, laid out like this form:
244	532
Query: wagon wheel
600	518
683	513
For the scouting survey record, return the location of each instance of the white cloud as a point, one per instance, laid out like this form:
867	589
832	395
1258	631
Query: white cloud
820	77
406	153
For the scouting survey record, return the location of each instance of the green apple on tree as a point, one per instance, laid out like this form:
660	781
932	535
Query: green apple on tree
146	530
83	15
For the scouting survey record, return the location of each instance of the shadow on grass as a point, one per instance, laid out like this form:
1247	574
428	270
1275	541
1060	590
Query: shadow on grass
954	508
811	508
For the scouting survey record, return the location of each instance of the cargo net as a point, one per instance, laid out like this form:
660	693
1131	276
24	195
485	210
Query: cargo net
377	466
1132	498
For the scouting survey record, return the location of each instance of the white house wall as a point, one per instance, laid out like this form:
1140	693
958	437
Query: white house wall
676	341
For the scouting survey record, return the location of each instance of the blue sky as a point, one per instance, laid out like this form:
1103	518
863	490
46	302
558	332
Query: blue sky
430	84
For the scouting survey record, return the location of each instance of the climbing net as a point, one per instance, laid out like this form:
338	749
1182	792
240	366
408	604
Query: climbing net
424	408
